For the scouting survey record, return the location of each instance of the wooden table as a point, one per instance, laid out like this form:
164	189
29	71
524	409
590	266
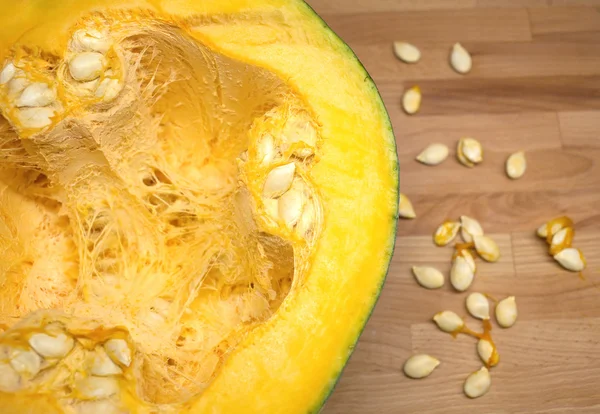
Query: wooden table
535	85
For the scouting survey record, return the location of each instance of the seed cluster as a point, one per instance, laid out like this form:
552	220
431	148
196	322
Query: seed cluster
475	244
559	234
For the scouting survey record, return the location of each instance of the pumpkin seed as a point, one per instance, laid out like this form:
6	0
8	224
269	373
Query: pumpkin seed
87	66
469	228
306	223
571	259
506	312
102	365
420	366
461	274
411	101
97	407
486	248
97	387
466	254
10	381
265	149
516	164
17	84
406	52
51	346
301	132
271	206
478	383
405	208
554	225
26	362
36	94
487	352
428	277
38	117
279	180
460	59
561	240
434	154
446	232
90	40
448	321
108	89
478	306
291	205
471	150
118	350
8	72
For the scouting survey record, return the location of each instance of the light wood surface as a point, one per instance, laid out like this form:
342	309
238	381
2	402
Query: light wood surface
535	86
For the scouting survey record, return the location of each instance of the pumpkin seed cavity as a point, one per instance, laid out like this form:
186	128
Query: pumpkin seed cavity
181	249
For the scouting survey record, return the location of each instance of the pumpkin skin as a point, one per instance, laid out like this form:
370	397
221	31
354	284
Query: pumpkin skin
289	360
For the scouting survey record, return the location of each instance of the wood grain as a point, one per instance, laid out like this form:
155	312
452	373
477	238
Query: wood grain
432	26
563	54
503	95
535	86
564	19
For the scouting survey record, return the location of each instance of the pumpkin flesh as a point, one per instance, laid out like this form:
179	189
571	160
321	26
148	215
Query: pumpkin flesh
146	219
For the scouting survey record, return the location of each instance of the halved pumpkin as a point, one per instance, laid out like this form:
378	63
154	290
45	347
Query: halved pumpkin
198	206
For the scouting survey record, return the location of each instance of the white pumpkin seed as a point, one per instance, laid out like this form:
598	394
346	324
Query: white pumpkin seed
411	100
506	312
448	321
434	154
291	205
561	240
38	117
478	383
90	40
469	228
420	366
118	350
470	149
97	387
36	94
487	248
516	164
279	180
51	346
26	362
478	306
542	231
487	352
87	66
461	274
299	130
428	277
17	85
406	52
466	254
10	381
8	72
460	59
571	259
306	223
265	149
102	365
108	89
405	208
97	407
271	207
446	232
